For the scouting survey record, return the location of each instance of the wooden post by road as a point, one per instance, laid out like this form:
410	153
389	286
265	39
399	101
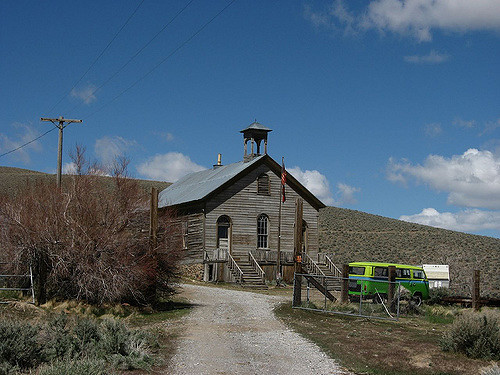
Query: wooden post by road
297	253
344	287
476	290
391	288
153	218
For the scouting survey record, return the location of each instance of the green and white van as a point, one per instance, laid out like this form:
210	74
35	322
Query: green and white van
370	280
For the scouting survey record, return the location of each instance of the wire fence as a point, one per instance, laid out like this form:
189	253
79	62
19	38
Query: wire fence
15	283
365	298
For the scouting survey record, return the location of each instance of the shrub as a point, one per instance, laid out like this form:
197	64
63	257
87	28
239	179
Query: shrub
491	370
19	347
78	367
58	342
436	296
475	334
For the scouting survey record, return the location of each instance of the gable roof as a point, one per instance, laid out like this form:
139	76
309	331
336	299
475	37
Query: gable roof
198	186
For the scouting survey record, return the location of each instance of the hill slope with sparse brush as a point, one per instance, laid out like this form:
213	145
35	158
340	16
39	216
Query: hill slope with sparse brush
358	236
13	179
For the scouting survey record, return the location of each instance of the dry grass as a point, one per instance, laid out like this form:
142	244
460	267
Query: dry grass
410	346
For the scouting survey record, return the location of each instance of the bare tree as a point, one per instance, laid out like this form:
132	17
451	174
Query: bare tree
89	241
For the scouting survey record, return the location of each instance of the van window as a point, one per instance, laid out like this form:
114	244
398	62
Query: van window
418	274
403	273
380	272
357	270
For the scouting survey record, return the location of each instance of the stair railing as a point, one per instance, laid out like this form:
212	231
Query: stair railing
256	267
332	267
235	269
311	266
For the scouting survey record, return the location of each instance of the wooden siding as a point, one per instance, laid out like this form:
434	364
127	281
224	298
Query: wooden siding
193	232
242	203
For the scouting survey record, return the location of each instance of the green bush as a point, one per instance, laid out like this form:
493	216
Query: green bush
78	367
67	346
475	334
436	296
19	347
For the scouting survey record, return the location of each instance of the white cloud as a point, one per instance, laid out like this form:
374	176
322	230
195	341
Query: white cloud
471	220
85	94
69	168
464	124
346	194
471	179
24	134
433	57
168	167
417	18
491	126
433	130
315	182
108	149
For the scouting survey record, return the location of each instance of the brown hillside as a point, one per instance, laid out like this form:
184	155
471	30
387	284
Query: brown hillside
13	179
358	236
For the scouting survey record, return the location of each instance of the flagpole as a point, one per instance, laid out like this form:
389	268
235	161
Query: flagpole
278	258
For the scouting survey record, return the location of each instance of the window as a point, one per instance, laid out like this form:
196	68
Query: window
403	273
357	270
262	231
263	185
381	272
418	274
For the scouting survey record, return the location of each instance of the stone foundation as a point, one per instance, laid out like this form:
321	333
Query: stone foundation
192	271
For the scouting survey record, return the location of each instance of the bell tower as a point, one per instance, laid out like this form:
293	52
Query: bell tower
255	133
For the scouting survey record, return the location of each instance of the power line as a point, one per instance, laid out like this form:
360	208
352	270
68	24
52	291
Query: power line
27	143
134	56
100	55
164	60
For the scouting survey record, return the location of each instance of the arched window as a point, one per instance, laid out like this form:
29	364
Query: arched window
262	231
263	187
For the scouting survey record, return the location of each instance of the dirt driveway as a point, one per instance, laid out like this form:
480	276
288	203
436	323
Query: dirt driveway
235	332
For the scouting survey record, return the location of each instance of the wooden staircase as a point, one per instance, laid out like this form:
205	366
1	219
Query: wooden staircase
251	278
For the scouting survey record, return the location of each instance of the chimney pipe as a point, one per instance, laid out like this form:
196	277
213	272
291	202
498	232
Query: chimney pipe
219	159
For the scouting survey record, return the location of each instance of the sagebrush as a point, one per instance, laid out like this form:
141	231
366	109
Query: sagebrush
476	334
85	346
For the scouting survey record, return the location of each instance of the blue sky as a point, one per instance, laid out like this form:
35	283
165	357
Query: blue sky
389	107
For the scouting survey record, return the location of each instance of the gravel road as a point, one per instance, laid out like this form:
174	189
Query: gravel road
235	332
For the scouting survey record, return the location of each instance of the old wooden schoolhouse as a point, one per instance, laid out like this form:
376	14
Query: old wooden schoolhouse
234	220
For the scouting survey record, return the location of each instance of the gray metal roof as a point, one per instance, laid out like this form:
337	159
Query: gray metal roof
257	126
198	185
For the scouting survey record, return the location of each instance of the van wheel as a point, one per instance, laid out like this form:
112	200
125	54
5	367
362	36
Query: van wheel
417	299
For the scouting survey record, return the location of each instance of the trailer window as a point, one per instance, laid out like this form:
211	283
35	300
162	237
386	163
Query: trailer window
403	273
381	272
418	274
357	270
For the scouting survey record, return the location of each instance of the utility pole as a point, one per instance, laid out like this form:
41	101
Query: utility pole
59	123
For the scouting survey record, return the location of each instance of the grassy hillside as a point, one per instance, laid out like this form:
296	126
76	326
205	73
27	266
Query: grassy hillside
358	236
12	179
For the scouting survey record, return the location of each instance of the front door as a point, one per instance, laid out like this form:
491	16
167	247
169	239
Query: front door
223	235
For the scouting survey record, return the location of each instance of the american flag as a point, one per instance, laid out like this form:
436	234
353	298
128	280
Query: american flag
283	181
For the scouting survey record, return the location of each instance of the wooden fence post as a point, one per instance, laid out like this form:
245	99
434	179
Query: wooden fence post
297	253
344	288
153	218
476	290
391	288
